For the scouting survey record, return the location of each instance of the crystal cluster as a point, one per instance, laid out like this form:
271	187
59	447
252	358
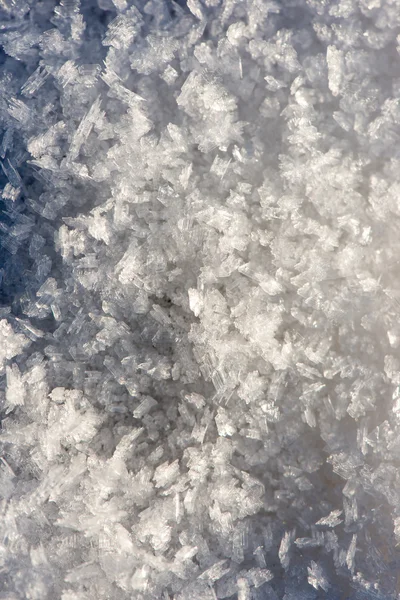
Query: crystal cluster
200	299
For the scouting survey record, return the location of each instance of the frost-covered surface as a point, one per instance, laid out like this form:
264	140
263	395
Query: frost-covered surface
199	320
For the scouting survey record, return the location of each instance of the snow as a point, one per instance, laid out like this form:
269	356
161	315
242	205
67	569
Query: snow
199	299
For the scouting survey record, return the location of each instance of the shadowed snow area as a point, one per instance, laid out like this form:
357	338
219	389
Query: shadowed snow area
200	300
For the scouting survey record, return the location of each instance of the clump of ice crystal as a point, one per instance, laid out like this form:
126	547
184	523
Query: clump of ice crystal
199	320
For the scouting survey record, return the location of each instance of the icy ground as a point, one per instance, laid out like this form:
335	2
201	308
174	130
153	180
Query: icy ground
200	300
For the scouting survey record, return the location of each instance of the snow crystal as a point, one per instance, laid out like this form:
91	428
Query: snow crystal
316	577
284	549
332	520
11	343
199	371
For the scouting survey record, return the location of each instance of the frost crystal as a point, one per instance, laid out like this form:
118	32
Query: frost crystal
316	577
199	299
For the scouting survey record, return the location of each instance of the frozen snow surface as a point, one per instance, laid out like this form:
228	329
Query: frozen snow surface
200	299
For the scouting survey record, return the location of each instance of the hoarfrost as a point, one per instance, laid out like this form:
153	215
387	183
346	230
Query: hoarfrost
199	371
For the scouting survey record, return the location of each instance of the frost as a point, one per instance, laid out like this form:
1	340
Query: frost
316	577
35	81
166	473
199	285
15	392
284	549
84	129
144	407
350	556
215	572
157	52
243	589
332	520
11	343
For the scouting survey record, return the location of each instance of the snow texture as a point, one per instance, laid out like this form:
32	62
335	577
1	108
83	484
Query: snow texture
200	299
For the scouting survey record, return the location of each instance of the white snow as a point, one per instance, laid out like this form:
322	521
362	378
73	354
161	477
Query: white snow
199	299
